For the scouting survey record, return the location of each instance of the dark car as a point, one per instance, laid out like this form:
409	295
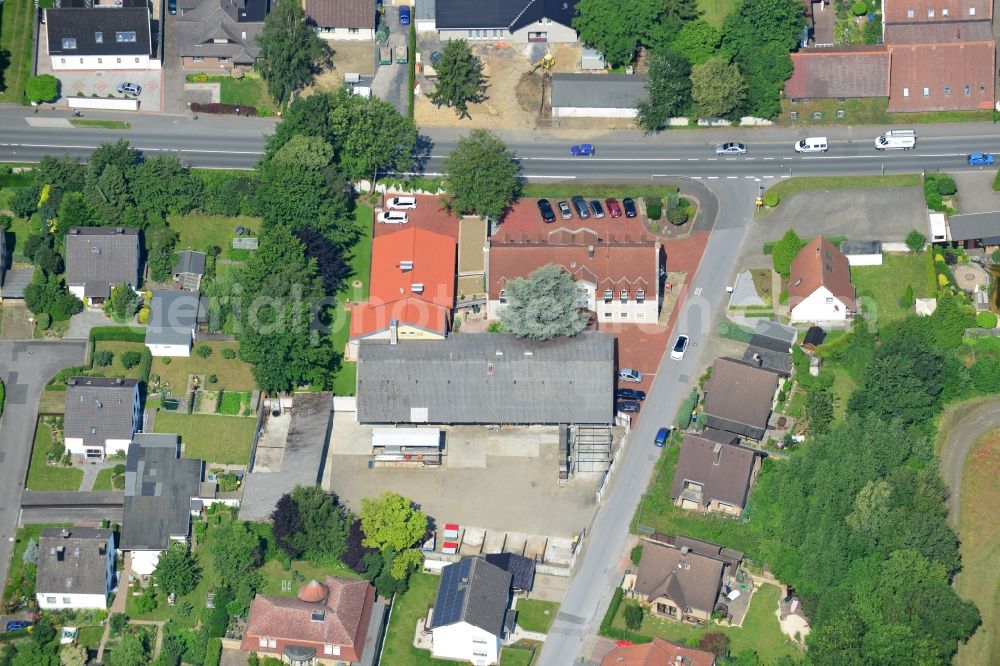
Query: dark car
614	210
172	6
629	206
595	206
630	394
545	208
17	625
581	207
404	15
661	437
628	406
564	210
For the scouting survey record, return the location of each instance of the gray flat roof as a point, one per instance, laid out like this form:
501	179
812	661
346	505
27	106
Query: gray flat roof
861	247
173	316
974	226
598	91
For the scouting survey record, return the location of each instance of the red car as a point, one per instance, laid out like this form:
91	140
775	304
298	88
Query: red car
613	208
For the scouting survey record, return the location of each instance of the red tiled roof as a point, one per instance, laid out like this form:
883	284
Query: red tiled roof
847	72
312	592
342	13
367	318
945	11
820	264
937	66
657	653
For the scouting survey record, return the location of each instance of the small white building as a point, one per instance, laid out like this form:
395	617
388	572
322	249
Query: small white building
101	37
819	286
471	614
102	415
76	568
173	322
597	95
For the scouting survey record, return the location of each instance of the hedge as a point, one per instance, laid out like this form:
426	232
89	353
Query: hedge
225	109
687	408
930	271
213	654
145	364
996	182
613	632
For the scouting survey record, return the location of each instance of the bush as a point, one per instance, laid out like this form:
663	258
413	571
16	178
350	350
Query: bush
908	299
213	655
130	359
996	182
771	199
946	185
859	8
213	379
633	616
204	351
687	408
143	315
166	360
654	208
225	109
117	622
42	88
677	215
145	364
44	320
229	353
636	554
915	240
103	358
986	320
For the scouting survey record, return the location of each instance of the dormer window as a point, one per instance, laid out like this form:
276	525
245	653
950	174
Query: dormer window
406	265
99	37
624	296
125	37
640	296
69	43
503	296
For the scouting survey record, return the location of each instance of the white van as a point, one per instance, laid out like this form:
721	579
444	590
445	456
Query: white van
812	144
899	139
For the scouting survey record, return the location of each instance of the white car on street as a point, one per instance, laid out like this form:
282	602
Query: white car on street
680	346
392	217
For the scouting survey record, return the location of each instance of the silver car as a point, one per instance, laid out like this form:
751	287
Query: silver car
131	89
731	148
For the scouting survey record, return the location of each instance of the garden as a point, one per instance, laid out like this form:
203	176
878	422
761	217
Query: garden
50	467
214	439
858	22
241	89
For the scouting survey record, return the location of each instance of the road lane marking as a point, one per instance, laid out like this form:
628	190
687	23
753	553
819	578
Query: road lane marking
169	150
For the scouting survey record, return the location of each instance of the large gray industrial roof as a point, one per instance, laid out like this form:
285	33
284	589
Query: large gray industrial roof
597	91
487	378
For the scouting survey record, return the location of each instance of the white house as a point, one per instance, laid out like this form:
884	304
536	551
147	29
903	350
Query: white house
102	415
819	286
173	322
100	258
471	614
519	21
597	95
102	37
347	20
76	568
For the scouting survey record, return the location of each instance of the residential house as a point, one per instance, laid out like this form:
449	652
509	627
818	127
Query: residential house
159	488
95	36
597	95
99	258
714	476
518	21
189	269
325	623
488	379
770	347
102	415
76	568
970	231
819	286
342	19
173	322
618	270
520	568
657	653
219	34
850	71
739	398
412	289
471	614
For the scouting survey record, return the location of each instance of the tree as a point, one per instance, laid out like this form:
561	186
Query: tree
117	623
30	654
986	319
177	571
291	53
47	293
819	410
371	136
355	552
668	89
406	563
908	299
545	305
328	257
633	616
459	78
765	75
73	211
237	554
73	654
616	28
717	88
286	524
41	88
162	185
130	651
784	251
130	359
715	642
30	555
391	521
119	154
123	303
915	241
697	41
43	633
160	241
103	358
482	174
324	524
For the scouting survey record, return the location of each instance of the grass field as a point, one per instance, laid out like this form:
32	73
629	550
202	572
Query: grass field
20	227
979	531
714	11
862	111
116	368
198	231
274	574
233	373
250	90
16	17
102	124
398	648
41	475
107	481
790	186
360	264
515	656
535	615
90	637
214	439
886	284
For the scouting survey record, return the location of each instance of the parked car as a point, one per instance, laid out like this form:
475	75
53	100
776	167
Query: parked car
680	346
18	625
627	406
595	206
614	210
133	89
564	210
404	15
630	375
731	148
545	208
630	394
172	6
392	217
629	205
402	203
980	159
581	207
583	150
661	437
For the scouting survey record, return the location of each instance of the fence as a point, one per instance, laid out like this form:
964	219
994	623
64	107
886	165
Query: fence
103	103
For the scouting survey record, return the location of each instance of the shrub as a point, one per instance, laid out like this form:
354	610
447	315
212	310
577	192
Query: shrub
677	215
42	88
229	353
204	351
986	320
130	359
859	8
908	299
117	622
144	315
654	208
636	554
771	199
633	616
915	240
103	358
213	655
145	364
166	360
44	320
715	642
213	379
225	109
946	185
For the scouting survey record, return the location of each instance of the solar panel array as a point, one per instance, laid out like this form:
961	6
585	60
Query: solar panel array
451	593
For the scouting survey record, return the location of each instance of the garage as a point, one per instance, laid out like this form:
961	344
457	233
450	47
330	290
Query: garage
596	95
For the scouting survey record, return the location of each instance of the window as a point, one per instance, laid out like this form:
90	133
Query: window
909	13
640	315
137	61
906	92
99	37
968	89
331	649
944	11
947	90
927	91
607	315
197	59
624	315
100	60
608	296
972	11
624	295
930	12
353	31
119	60
69	43
829	299
67	600
263	641
272	642
125	37
62	61
640	296
470	34
503	295
50	600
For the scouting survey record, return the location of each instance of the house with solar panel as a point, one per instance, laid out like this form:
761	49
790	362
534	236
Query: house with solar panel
471	616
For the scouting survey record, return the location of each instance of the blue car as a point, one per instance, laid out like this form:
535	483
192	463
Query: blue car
661	437
17	625
404	15
583	150
980	159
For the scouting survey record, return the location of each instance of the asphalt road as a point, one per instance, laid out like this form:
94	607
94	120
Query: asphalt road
24	369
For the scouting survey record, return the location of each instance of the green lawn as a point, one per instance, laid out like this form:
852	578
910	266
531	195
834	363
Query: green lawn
535	615
199	231
714	11
886	284
567	190
106	481
760	632
116	368
20	227
214	439
274	574
250	90
398	648
101	124
790	186
90	637
15	571
233	373
41	475
515	656
16	18
360	264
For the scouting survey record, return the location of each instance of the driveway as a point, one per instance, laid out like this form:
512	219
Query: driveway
972	420
975	191
24	369
80	324
390	80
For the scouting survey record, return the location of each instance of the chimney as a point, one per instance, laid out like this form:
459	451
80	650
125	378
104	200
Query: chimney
717	450
74	232
60	553
758	360
119	230
65	534
393	332
71	382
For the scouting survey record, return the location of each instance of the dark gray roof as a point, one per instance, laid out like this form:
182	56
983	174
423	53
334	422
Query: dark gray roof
598	91
472	590
159	486
487	378
190	261
73	560
201	24
521	568
724	471
768	359
974	226
99	408
3	255
814	336
16	281
861	247
173	316
97	31
771	347
509	14
99	257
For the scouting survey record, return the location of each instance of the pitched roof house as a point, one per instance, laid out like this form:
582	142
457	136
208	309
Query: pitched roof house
99	258
107	38
839	72
942	76
770	347
819	285
739	397
219	33
713	476
471	613
487	378
326	621
521	569
342	19
678	583
519	21
76	568
189	269
657	653
102	414
173	320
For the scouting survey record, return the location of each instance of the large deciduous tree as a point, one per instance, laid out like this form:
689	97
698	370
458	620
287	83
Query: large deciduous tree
47	293
483	176
617	28
291	53
176	571
697	41
286	523
717	88
545	305
237	553
668	90
325	523
390	521
371	136
459	78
